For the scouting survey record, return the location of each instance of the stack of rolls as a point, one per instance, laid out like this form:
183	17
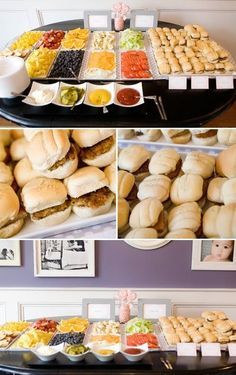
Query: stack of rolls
47	174
166	194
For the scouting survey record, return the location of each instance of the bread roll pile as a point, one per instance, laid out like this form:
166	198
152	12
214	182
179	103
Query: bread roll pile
168	195
212	326
47	174
188	50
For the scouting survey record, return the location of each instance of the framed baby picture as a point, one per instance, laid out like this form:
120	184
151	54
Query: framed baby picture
143	19
98	20
96	309
153	309
215	255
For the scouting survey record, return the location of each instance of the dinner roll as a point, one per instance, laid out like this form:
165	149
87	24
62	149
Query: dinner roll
226	136
181	233
199	163
187	188
123	215
226	162
229	191
155	186
126	182
220	222
180	136
214	191
150	135
18	149
185	216
3	153
6	176
141	233
165	162
133	157
146	213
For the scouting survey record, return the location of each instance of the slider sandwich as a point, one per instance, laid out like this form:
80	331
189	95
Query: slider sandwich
135	159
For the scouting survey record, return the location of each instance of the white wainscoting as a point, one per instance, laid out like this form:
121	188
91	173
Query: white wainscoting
31	303
216	15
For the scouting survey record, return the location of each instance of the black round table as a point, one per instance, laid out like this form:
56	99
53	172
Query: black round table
27	364
184	108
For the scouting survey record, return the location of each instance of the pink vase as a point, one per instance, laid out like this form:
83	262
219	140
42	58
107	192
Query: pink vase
119	23
124	315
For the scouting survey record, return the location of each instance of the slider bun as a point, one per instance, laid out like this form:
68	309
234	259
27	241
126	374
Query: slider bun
86	212
181	233
148	134
64	170
12	229
102	160
30	133
214	191
132	158
3	153
126	182
229	191
226	162
199	163
47	147
123	215
41	193
155	186
89	137
17	133
220	222
54	219
203	141
9	204
164	161
226	136
23	172
125	133
187	188
110	173
85	180
181	136
6	176
146	213
185	216
5	137
18	149
141	233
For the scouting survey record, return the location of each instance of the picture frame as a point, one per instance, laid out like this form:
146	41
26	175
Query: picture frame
64	258
143	19
152	309
10	253
98	20
97	309
202	249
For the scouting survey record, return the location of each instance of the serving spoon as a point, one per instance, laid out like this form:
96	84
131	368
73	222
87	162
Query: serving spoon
23	96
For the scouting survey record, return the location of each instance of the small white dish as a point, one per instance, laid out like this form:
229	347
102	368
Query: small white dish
135	357
57	100
75	357
101	357
92	87
47	357
41	87
137	86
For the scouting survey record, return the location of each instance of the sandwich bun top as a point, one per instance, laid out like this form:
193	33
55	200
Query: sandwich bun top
89	137
226	162
43	192
123	213
146	213
229	191
47	147
9	204
3	153
155	186
214	191
181	233
185	216
23	172
85	180
30	133
126	182
133	157
6	176
5	137
110	173
18	149
186	188
220	221
17	133
226	136
199	163
148	134
164	161
126	133
141	233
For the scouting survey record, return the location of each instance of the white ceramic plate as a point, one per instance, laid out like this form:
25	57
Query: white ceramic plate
91	87
41	86
137	86
147	244
57	101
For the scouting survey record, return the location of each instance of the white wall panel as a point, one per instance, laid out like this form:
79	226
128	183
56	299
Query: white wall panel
50	15
33	311
13	22
2	313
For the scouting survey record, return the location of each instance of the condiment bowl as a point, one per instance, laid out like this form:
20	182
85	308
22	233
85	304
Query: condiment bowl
41	86
13	76
57	100
104	357
47	357
137	86
92	87
74	357
135	357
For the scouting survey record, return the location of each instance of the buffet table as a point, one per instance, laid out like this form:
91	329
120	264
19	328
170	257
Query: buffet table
19	363
188	108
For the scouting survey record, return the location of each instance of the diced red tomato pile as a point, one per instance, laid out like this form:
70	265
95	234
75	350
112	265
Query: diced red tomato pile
45	325
52	39
142	338
134	64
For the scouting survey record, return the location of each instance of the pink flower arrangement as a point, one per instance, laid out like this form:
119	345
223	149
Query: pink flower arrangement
121	10
126	296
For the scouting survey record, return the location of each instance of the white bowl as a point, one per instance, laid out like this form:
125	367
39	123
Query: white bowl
135	357
137	86
91	87
57	101
13	76
104	358
74	358
41	86
47	357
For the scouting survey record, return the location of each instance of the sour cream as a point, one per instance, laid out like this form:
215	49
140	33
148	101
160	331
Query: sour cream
42	96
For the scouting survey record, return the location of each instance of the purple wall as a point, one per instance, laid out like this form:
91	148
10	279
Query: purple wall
119	265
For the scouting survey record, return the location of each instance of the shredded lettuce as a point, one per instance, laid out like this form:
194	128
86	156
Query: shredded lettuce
138	325
131	39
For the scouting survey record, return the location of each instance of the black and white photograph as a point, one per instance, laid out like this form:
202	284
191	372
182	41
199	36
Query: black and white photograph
64	258
10	253
214	255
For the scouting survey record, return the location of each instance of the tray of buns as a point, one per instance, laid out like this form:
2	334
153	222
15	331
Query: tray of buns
159	195
211	327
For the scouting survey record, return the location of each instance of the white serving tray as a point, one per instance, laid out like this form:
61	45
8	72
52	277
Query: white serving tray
32	230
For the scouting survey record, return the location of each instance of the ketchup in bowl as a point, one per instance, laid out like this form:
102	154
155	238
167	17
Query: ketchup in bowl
133	351
128	96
